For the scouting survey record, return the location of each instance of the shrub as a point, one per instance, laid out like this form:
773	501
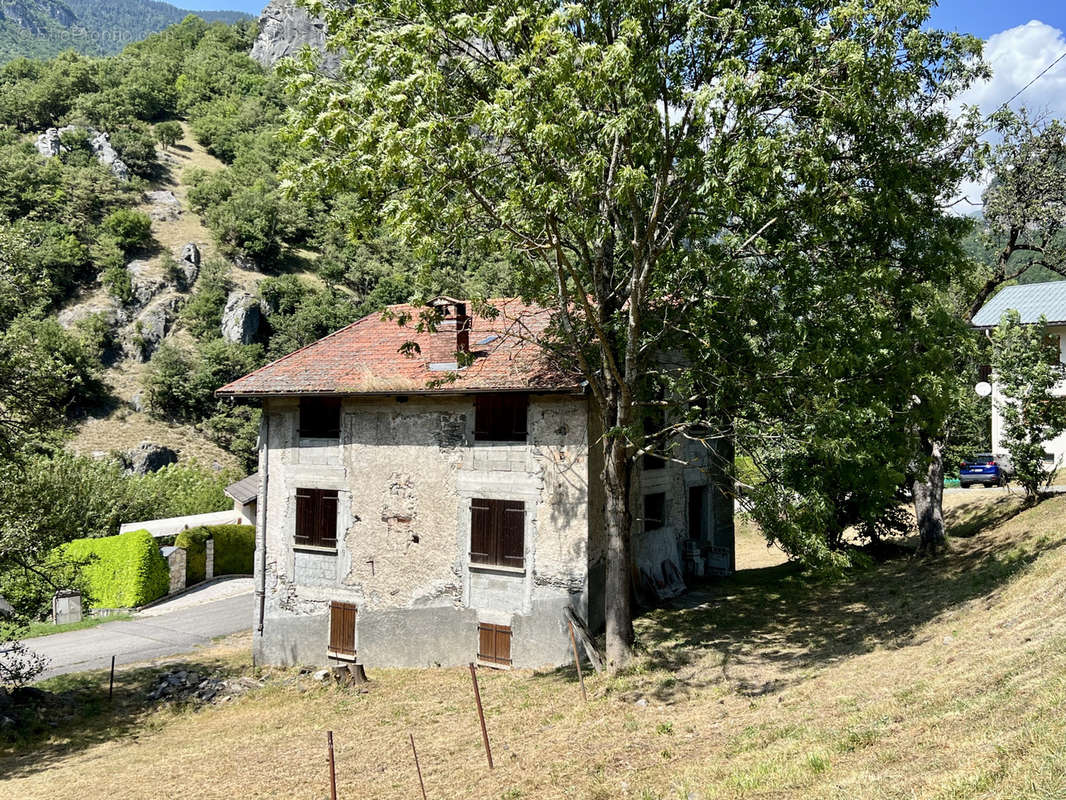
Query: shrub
121	571
131	229
234	550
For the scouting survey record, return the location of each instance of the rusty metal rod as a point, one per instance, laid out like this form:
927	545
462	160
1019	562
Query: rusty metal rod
111	684
417	767
332	768
481	714
577	661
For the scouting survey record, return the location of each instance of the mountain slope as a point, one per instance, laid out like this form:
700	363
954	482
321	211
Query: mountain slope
42	28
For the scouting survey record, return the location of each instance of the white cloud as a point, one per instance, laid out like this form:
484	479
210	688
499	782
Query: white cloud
1016	56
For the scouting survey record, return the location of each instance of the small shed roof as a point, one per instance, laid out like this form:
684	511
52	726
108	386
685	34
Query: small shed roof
245	490
1031	301
174	525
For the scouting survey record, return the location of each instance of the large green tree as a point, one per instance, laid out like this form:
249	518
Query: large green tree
639	157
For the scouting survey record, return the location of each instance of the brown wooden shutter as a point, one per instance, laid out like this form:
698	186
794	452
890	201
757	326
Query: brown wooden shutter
342	628
327	519
512	533
519	405
501	417
494	644
305	516
482	540
483	416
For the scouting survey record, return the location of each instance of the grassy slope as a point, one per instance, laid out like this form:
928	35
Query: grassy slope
913	679
121	428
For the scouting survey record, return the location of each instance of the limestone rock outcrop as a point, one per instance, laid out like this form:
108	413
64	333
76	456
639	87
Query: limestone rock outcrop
284	29
241	318
165	207
148	457
143	336
49	144
190	263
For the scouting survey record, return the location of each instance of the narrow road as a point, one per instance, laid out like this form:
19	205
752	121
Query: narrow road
155	633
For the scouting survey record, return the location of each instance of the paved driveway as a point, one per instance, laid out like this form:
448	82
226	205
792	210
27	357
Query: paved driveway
178	626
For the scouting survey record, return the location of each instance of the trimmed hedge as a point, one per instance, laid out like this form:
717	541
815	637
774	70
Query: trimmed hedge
234	550
121	571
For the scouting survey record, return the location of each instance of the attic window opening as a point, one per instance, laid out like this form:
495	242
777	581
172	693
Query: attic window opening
320	417
501	417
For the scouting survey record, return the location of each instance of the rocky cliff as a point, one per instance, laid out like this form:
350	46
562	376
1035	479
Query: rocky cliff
284	28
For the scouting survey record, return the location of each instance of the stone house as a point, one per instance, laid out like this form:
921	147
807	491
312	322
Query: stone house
416	512
1032	301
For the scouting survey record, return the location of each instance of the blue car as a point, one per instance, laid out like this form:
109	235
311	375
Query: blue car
988	469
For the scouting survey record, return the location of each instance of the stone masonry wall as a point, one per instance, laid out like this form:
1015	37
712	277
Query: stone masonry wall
406	470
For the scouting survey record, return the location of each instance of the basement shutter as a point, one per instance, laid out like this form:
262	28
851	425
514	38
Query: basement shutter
316	517
342	628
494	644
498	533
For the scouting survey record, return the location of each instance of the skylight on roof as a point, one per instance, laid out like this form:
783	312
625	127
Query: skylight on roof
492	337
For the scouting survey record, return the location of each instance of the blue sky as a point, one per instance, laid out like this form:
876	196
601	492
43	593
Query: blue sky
980	17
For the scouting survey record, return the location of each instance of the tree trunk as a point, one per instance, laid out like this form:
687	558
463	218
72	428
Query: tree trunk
928	492
617	611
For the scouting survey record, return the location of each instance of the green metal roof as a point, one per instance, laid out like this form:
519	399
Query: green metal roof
1031	301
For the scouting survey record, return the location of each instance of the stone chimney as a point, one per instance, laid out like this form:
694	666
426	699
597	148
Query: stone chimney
453	330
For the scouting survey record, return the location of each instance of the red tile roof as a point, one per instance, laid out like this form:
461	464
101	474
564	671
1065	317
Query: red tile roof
365	358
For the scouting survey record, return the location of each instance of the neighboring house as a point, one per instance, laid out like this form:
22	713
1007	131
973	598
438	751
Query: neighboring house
244	494
414	513
1032	301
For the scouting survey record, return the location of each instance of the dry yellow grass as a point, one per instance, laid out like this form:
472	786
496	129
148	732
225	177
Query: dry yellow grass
937	679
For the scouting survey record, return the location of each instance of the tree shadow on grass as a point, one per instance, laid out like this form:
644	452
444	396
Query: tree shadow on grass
763	630
77	713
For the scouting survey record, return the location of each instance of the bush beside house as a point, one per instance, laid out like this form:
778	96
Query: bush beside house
121	571
234	550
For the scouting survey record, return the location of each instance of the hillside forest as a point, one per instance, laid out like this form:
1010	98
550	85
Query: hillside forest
103	328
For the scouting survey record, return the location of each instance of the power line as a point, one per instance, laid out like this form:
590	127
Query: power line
1043	72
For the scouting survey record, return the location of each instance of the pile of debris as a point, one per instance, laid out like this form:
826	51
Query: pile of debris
183	686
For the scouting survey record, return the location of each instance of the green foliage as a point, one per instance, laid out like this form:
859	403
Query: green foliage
51	500
234	550
1026	364
46	375
180	385
131	229
299	315
651	168
202	314
168	133
116	279
121	571
135	145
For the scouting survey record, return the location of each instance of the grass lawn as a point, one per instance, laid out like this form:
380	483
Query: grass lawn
47	628
941	679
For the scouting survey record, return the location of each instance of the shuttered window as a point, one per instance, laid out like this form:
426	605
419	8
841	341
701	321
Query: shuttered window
342	628
494	644
501	417
320	417
316	517
497	532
